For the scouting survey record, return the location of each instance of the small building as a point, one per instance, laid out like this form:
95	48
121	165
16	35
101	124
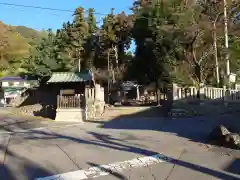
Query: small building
18	82
75	91
14	86
76	81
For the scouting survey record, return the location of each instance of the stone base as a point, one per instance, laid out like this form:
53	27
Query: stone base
70	115
94	109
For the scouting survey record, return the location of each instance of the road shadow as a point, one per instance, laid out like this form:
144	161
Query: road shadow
5	173
28	169
110	142
195	129
9	123
234	167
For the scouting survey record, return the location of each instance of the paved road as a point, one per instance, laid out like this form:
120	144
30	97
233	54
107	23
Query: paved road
51	151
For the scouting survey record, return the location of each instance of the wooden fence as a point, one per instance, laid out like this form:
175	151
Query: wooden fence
68	102
206	93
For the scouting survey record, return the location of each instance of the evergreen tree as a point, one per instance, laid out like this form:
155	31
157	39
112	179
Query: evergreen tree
90	43
79	33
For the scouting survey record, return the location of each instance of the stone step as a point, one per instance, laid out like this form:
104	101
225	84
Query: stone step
70	115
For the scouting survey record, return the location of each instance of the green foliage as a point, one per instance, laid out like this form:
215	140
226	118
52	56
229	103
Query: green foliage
30	34
90	41
44	58
176	34
174	42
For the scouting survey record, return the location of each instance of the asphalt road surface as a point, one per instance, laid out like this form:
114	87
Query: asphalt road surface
127	148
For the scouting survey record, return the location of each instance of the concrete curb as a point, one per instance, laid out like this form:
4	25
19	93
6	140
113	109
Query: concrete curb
104	170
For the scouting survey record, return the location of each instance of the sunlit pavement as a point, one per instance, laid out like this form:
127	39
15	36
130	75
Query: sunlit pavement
55	151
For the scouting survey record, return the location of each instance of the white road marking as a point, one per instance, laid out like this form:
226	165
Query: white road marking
104	170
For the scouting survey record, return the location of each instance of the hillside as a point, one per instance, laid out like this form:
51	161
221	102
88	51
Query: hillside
15	44
30	34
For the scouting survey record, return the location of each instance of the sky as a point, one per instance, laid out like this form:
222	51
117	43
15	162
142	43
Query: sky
44	19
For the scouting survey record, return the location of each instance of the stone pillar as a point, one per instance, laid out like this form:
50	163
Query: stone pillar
202	93
138	94
99	102
225	95
99	96
175	92
172	95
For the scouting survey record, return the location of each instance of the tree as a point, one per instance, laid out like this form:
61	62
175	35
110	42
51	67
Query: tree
63	45
108	43
13	48
17	50
79	32
176	41
142	35
90	43
235	54
123	26
44	58
4	43
214	10
196	40
154	55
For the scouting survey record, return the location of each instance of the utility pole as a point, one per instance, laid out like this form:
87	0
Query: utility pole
108	76
79	65
79	59
115	54
216	51
215	48
226	39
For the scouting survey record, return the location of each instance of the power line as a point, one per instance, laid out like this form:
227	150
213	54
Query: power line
56	9
67	10
43	8
35	7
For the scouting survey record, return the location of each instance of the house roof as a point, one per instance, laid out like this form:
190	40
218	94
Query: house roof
63	77
12	78
17	78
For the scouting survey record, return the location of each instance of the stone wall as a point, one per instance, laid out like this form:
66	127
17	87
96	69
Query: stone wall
39	102
94	102
44	96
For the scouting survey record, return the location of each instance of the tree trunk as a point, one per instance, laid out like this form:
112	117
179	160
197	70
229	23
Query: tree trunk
113	75
198	74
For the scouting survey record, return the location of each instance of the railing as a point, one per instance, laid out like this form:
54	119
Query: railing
68	102
233	95
190	93
207	93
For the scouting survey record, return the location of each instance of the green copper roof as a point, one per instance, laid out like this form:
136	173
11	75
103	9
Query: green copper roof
61	77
